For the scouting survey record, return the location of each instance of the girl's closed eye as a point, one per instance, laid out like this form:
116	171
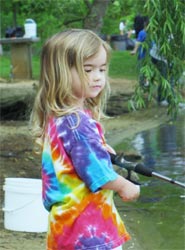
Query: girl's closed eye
103	69
88	70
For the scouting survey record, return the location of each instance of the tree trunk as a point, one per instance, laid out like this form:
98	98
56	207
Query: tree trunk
94	20
14	10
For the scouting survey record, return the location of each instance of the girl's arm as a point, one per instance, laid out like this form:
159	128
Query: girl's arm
126	189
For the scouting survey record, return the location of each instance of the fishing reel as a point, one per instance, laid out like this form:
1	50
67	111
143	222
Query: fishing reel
140	169
119	160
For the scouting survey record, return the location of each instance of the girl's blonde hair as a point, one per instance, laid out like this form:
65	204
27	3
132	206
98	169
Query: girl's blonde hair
55	98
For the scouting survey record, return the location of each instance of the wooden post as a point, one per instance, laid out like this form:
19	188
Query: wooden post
21	56
21	61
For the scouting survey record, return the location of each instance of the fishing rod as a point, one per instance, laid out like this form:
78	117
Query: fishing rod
140	169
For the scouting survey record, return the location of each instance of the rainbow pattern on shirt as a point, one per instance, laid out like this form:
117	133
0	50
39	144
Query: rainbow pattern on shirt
75	163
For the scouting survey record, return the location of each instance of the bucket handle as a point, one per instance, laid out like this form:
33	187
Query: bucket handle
19	208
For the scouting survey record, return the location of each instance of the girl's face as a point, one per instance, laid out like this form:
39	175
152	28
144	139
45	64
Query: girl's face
95	67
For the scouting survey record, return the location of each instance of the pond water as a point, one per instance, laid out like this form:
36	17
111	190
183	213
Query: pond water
157	220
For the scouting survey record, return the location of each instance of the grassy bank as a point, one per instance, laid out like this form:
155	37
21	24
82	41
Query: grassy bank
123	65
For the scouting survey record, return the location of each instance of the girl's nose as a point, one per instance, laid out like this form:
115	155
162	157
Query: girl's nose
97	75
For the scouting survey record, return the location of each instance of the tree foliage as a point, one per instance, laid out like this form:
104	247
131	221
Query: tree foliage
51	16
166	28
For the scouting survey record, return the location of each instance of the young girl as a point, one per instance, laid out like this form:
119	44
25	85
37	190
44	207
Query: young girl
78	177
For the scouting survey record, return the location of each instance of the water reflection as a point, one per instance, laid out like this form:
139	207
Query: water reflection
157	220
163	148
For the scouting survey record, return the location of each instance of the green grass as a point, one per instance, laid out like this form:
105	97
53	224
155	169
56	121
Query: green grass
36	66
5	67
123	65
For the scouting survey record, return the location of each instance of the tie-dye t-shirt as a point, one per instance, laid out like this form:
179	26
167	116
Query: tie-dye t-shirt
75	164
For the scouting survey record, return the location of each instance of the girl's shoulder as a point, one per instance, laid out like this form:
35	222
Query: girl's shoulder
74	118
80	121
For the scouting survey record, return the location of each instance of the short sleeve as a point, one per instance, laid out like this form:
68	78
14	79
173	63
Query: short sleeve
141	36
83	144
92	163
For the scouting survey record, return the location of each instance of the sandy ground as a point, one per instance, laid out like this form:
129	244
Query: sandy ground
18	160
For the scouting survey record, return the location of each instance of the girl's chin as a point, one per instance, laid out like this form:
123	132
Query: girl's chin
95	93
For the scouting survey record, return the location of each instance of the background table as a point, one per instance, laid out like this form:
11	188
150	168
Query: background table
21	56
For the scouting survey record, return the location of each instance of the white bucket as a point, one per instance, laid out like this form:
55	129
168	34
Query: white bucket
23	208
30	28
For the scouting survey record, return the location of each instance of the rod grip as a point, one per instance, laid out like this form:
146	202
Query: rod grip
138	168
141	169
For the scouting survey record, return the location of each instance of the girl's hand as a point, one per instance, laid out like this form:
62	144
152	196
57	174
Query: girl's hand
129	192
126	189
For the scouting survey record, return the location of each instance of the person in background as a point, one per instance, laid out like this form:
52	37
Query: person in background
137	27
140	39
122	27
138	24
140	50
160	62
164	68
77	173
